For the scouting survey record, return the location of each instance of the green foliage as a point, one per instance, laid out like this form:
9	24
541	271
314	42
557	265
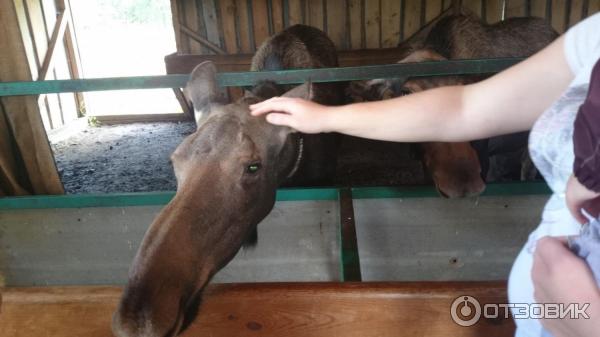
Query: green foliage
136	11
93	122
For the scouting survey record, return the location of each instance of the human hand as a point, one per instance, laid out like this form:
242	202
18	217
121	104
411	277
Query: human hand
299	114
578	197
559	276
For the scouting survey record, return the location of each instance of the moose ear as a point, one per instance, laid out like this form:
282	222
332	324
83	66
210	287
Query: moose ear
302	91
202	88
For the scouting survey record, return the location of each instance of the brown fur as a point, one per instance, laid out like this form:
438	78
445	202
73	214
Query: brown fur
457	35
219	201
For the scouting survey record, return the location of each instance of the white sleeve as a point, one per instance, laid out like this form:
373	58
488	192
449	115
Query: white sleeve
582	44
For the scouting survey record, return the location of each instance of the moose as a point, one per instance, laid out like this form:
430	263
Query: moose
459	169
227	174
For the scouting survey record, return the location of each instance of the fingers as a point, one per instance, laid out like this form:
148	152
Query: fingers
272	104
550	253
575	207
280	119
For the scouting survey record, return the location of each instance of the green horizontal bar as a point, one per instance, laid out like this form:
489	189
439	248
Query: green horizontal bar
140	199
423	69
304	194
86	200
498	189
297	194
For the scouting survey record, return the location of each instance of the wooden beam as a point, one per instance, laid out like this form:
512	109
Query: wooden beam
202	40
57	36
147	118
269	309
23	113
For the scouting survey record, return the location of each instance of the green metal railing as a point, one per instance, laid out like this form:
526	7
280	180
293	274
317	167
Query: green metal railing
285	194
423	69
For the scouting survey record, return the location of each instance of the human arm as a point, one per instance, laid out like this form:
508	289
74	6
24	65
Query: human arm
508	102
561	277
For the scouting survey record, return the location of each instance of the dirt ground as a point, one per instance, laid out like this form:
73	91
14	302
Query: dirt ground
135	158
120	158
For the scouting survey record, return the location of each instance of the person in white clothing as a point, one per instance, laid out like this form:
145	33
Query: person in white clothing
542	94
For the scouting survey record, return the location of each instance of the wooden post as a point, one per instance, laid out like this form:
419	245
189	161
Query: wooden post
23	113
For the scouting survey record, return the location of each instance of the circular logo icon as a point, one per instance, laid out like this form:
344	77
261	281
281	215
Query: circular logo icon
465	310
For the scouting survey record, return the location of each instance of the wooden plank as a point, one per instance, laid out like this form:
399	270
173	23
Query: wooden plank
390	23
54	109
355	24
50	13
298	242
372	23
53	106
494	11
594	7
228	19
228	25
23	112
72	50
412	22
277	15
271	309
150	118
538	8
26	36
260	19
243	26
190	22
474	5
395	238
558	15
315	13
337	24
294	12
68	102
38	28
184	63
515	8
576	12
433	8
206	44
58	33
211	22
176	18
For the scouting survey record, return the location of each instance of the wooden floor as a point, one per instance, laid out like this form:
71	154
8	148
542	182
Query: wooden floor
268	309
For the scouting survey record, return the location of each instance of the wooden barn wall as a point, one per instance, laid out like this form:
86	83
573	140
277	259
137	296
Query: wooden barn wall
50	45
239	26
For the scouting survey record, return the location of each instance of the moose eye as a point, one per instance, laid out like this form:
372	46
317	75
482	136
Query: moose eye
253	168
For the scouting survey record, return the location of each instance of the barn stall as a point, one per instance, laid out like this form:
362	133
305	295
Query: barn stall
353	261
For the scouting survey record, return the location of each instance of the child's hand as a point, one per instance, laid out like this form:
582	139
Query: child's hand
299	114
559	276
579	197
